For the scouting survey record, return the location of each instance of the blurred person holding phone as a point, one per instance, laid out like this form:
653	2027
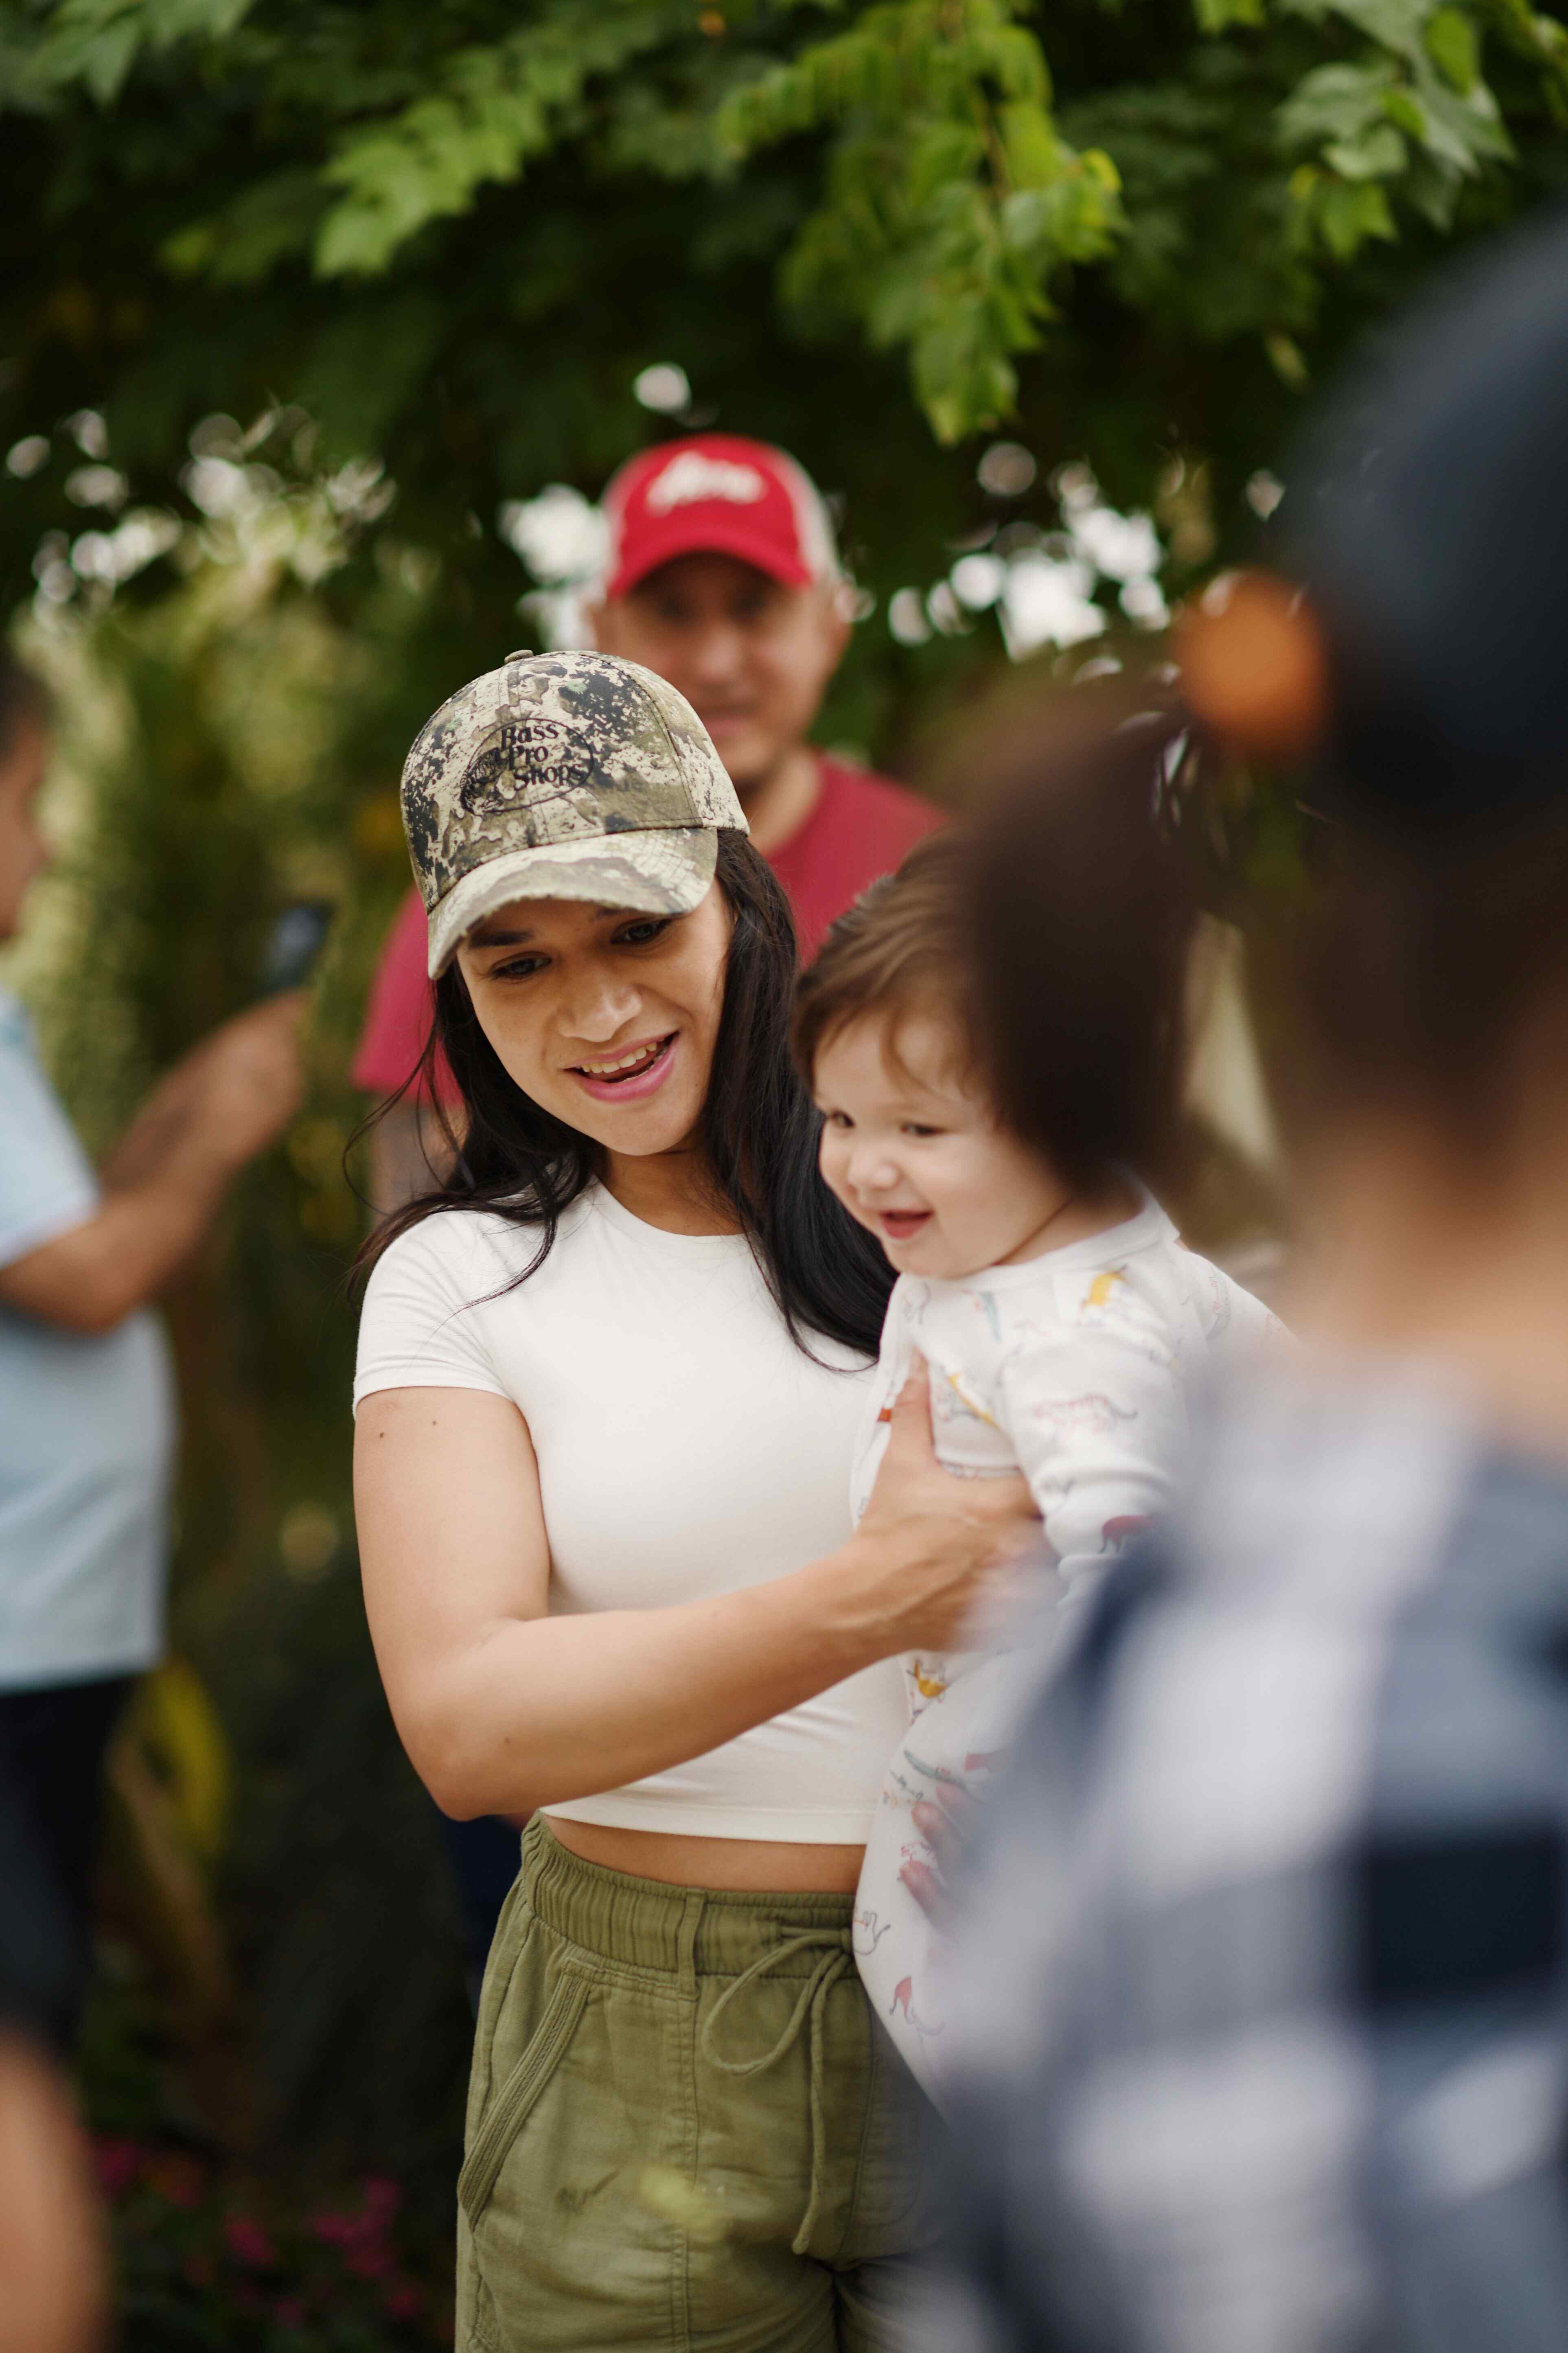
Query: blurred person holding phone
86	1409
722	576
1265	2038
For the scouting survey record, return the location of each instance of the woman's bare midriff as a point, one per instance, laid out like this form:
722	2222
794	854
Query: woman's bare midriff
730	1866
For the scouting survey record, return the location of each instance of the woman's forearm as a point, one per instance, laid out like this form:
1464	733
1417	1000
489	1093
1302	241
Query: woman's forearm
503	1708
540	1710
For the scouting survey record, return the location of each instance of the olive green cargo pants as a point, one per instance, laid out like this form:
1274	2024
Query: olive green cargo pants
685	2128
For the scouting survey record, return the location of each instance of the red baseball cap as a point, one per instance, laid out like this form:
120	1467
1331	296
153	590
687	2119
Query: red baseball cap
716	494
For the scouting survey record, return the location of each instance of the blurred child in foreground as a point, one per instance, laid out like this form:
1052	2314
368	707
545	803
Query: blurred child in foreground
1264	2019
87	1415
1063	1322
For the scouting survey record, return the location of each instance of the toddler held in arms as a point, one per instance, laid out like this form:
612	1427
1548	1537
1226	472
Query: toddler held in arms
1062	1322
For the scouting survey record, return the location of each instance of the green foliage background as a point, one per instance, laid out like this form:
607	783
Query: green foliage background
415	252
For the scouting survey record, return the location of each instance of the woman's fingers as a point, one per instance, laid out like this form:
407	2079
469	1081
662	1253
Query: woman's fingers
910	1437
925	1885
943	1820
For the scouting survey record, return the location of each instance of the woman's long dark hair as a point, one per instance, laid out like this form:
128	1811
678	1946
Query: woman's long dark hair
759	1129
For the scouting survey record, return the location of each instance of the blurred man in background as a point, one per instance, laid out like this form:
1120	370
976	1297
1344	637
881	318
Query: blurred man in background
87	1422
722	576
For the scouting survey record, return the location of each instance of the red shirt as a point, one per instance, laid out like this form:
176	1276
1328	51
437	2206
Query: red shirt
861	827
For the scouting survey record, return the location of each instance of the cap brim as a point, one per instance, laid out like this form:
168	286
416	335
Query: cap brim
699	533
667	872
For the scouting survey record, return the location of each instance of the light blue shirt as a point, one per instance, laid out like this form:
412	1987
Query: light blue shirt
87	1425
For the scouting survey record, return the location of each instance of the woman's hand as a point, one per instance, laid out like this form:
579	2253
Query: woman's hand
938	1546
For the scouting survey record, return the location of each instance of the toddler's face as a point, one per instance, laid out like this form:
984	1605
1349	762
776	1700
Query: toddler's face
913	1149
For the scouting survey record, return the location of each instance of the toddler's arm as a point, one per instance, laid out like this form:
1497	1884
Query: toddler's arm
1099	1422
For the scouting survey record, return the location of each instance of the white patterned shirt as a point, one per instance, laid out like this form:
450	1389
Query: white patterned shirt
1078	1369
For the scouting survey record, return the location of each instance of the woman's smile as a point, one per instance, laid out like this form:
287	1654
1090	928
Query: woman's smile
639	1070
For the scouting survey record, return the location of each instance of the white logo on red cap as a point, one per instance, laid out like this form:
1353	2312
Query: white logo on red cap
694	476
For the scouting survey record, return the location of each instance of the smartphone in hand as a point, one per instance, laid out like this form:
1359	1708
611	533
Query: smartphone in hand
294	945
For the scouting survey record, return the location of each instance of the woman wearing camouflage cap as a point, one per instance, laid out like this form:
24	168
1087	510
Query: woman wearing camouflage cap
609	1379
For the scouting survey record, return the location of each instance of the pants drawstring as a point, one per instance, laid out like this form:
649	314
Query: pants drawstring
837	1948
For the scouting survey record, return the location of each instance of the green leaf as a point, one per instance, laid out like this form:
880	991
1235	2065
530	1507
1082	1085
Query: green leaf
1405	111
1287	359
1336	101
1029	140
1348	213
243	244
1379	154
1464	133
98	42
947	207
1454	47
1218	15
498	106
1394	25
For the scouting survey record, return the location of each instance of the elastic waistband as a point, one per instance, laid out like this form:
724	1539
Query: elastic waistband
656	1926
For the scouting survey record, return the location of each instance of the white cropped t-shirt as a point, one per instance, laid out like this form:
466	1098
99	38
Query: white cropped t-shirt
686	1447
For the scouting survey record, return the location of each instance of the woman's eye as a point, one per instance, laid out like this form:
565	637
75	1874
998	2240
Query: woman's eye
840	1119
911	1127
519	969
642	935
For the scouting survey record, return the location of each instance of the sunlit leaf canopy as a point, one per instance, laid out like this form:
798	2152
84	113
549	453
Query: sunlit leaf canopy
455	235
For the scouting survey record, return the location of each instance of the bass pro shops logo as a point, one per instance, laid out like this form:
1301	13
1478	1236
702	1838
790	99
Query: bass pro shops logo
694	476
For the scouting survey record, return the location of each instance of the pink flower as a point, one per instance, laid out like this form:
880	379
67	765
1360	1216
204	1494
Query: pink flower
248	2243
382	2197
403	2301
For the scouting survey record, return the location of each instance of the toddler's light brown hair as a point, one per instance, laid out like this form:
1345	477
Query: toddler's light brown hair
903	948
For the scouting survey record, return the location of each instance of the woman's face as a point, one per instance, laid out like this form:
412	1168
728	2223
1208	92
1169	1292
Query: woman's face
607	1020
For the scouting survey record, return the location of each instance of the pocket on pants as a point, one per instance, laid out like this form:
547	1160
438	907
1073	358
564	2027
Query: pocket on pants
509	2111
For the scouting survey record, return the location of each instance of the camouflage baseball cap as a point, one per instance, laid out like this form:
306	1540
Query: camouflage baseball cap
565	776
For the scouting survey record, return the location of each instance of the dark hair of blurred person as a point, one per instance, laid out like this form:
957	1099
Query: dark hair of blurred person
1268	1972
86	1400
1090	912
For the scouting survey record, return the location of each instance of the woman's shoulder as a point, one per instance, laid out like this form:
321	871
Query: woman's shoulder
447	1305
449	1249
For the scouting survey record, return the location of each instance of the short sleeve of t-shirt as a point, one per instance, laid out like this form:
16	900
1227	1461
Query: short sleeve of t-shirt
47	1184
422	1324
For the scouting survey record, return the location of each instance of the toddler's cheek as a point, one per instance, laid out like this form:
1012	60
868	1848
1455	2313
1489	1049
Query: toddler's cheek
833	1176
